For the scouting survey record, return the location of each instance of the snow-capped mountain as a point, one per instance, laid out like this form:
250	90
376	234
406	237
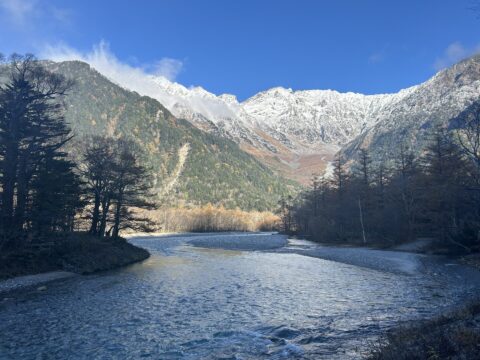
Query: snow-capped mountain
413	118
298	132
297	120
318	116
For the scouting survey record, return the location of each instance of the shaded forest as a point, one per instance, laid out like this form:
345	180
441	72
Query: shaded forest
102	186
45	192
434	195
55	184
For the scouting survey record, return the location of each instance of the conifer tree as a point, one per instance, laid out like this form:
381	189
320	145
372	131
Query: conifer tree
32	128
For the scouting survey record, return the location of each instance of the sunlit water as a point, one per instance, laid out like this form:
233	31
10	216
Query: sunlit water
194	303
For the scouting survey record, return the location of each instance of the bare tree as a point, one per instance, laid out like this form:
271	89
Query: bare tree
117	184
468	132
97	170
131	189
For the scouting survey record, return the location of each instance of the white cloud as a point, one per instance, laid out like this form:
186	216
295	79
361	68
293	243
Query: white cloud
34	19
103	60
18	11
453	54
168	68
146	80
155	80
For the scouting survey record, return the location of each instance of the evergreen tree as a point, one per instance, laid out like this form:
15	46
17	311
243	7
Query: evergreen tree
32	128
443	186
56	196
433	196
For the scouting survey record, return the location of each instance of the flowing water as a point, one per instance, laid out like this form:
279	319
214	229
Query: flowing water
187	302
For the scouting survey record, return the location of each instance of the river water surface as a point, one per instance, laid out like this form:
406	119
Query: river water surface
190	302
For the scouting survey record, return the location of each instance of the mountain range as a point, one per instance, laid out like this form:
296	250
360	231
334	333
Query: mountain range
190	166
206	148
298	132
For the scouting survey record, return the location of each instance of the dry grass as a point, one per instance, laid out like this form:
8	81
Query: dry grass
209	218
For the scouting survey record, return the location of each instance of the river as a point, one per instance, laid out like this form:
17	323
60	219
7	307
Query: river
270	301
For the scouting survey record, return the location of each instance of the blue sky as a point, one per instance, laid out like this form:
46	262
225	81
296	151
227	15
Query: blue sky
243	47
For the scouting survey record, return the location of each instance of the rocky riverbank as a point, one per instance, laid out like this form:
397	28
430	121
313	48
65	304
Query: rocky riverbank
77	253
37	281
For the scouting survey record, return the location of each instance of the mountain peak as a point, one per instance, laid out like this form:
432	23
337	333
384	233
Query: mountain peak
283	124
229	99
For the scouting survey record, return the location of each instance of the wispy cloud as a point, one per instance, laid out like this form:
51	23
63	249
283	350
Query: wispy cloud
105	61
455	52
61	15
154	79
33	17
18	11
168	67
377	57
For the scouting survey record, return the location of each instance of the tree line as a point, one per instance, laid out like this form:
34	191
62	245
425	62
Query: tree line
46	191
434	194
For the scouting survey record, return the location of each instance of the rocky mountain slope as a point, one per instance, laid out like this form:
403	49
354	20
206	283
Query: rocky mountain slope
298	132
190	165
413	118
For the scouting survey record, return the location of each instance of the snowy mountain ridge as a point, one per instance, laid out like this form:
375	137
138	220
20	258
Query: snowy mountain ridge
413	119
298	132
299	120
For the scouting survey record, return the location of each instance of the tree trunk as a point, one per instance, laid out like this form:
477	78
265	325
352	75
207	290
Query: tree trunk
8	187
95	215
103	221
116	225
22	195
361	221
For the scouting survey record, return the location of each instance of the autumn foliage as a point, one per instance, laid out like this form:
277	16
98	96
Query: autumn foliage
209	218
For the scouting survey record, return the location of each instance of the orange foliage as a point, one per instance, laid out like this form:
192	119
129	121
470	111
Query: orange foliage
209	218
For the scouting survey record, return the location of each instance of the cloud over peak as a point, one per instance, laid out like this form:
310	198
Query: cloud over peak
454	52
104	60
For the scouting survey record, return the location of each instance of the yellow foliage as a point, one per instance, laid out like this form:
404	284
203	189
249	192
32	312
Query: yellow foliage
211	218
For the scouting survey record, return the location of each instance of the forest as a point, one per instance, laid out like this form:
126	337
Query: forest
55	184
174	150
48	194
103	188
432	195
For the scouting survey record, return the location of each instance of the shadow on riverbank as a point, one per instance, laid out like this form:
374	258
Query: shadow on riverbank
77	253
454	335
